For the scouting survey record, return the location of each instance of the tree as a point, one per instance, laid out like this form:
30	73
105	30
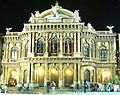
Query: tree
116	80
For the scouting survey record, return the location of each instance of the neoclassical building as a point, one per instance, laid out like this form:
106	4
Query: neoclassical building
55	45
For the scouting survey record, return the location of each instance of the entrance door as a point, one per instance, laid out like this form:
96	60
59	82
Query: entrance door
40	76
25	76
68	76
87	75
54	74
13	77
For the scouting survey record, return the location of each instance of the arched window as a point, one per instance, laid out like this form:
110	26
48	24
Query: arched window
40	45
14	53
86	50
68	45
54	48
103	53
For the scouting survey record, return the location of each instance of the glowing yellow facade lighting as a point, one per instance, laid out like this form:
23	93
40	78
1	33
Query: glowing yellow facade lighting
40	70
68	71
106	74
53	70
14	74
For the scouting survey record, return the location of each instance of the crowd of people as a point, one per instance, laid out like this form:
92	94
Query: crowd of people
107	87
86	86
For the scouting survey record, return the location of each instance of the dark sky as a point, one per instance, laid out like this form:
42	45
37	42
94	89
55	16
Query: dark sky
100	13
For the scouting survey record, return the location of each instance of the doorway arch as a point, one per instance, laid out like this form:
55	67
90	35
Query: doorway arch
54	74
13	78
87	75
68	76
40	73
25	76
103	75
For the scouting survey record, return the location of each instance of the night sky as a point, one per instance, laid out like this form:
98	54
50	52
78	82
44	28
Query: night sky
100	13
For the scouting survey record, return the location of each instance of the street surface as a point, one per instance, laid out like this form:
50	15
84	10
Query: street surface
66	91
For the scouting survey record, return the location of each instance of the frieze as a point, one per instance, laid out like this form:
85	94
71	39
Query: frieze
10	64
88	63
54	60
102	65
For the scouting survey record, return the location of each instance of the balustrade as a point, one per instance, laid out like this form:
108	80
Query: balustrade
29	27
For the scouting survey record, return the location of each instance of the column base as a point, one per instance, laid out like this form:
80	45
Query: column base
46	54
45	82
60	84
30	54
76	54
60	54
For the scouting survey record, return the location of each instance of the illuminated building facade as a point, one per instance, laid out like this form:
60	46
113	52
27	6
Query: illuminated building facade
55	45
1	44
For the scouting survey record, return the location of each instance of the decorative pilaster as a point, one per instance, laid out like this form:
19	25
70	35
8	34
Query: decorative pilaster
29	45
74	44
60	51
46	74
96	75
6	51
19	78
75	75
78	44
90	50
28	71
46	46
33	38
32	73
3	75
79	73
60	75
6	70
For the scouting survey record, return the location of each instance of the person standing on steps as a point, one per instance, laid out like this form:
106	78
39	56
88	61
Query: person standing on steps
53	85
85	86
48	86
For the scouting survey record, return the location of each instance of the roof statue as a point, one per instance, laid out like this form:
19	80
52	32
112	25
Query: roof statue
55	9
55	14
31	20
8	29
110	27
76	15
89	26
37	14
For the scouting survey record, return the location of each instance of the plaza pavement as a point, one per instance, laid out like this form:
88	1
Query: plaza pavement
66	91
